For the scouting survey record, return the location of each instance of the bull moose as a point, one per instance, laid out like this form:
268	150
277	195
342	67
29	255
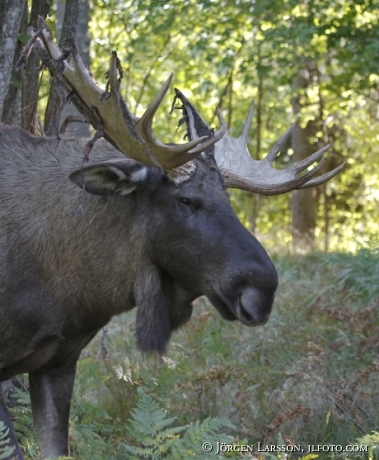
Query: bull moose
153	229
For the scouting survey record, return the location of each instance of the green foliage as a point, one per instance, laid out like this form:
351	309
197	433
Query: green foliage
371	440
89	423
261	52
362	276
5	449
209	430
155	441
149	428
23	418
86	443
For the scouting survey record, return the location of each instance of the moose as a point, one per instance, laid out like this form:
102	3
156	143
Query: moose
144	224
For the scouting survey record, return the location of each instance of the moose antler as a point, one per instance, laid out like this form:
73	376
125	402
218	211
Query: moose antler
241	171
131	135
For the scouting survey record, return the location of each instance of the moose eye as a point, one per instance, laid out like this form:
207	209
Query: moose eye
184	201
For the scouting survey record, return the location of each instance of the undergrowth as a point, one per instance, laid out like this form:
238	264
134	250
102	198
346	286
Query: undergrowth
309	376
5	448
154	440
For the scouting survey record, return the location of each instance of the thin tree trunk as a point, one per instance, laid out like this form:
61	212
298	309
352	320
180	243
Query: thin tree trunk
323	188
10	19
304	202
256	197
30	74
66	29
73	18
12	105
151	68
326	218
228	89
259	117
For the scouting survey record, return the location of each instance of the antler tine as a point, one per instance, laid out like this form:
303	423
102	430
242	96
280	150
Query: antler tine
196	125
257	185
303	164
246	126
118	102
205	141
313	172
202	143
197	129
146	121
270	157
324	177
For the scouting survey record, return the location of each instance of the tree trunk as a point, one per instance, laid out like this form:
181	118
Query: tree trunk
30	74
10	19
72	19
304	202
13	105
256	199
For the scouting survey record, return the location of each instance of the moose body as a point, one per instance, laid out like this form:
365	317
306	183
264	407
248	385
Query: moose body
153	229
70	260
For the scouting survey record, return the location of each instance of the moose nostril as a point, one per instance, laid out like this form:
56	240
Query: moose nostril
254	307
244	315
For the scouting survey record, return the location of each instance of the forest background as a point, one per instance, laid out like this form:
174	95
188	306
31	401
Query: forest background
311	373
313	59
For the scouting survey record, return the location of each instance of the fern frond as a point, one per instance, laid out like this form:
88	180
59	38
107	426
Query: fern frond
190	445
372	441
5	450
148	427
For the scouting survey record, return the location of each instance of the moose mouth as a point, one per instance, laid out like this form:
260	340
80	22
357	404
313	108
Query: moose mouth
251	308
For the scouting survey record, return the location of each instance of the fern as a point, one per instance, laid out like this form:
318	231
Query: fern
190	445
149	429
372	441
5	450
86	443
155	441
23	419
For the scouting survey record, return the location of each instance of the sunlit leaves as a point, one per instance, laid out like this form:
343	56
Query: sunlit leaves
221	50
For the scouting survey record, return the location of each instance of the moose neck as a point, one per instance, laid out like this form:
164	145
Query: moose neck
70	249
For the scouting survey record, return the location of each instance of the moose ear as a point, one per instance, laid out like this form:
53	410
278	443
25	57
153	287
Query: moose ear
114	177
